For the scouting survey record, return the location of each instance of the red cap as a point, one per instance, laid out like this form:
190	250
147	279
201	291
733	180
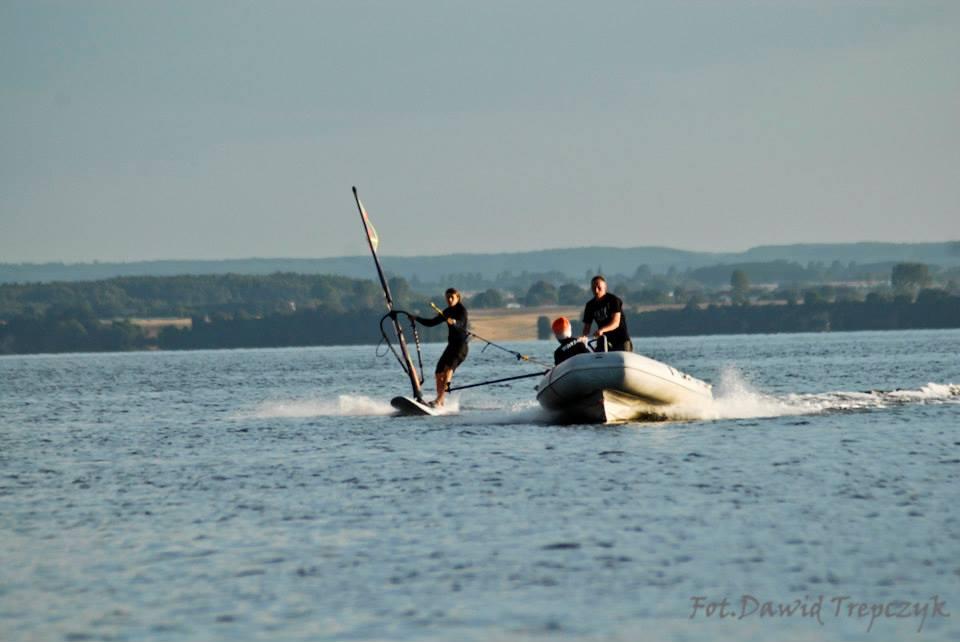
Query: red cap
560	325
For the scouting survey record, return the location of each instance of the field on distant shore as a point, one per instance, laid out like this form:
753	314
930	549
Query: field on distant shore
520	324
516	324
495	324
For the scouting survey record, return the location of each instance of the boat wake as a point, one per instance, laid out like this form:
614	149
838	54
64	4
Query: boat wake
734	398
521	412
342	406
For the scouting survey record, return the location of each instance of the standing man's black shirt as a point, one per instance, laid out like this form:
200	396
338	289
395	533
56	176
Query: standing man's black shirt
601	311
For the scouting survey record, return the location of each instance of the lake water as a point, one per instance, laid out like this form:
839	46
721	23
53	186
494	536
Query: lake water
269	495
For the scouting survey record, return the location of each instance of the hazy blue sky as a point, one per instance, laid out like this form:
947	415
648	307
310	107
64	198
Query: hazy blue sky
226	129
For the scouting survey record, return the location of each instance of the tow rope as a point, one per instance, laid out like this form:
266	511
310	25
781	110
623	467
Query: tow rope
520	357
485	383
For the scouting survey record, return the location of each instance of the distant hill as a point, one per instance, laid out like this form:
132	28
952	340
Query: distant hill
574	262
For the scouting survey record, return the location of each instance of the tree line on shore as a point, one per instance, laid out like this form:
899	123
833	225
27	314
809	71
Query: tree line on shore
224	294
225	310
927	312
181	296
76	330
230	311
68	330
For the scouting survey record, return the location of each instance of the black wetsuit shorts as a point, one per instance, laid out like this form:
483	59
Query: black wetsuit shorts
452	357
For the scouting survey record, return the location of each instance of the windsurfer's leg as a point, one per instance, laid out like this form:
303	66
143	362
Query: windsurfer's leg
452	357
443	378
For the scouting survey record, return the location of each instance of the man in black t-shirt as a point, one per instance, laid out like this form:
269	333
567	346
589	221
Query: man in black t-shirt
606	310
455	315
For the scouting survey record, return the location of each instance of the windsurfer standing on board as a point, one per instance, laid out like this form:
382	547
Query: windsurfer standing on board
607	310
455	314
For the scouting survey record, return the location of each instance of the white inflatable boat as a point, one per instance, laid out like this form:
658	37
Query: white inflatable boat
612	387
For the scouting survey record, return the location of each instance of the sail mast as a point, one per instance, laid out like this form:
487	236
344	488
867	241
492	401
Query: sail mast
373	241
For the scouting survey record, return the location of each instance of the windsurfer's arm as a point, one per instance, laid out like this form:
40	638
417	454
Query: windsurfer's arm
437	320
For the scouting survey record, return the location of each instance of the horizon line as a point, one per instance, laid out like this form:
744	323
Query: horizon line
448	254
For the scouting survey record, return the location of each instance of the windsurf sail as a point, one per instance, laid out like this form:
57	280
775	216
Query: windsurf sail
372	236
374	242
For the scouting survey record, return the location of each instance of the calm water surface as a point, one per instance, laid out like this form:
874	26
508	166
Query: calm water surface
269	495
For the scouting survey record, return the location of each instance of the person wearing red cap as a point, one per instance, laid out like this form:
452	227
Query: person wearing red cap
569	346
